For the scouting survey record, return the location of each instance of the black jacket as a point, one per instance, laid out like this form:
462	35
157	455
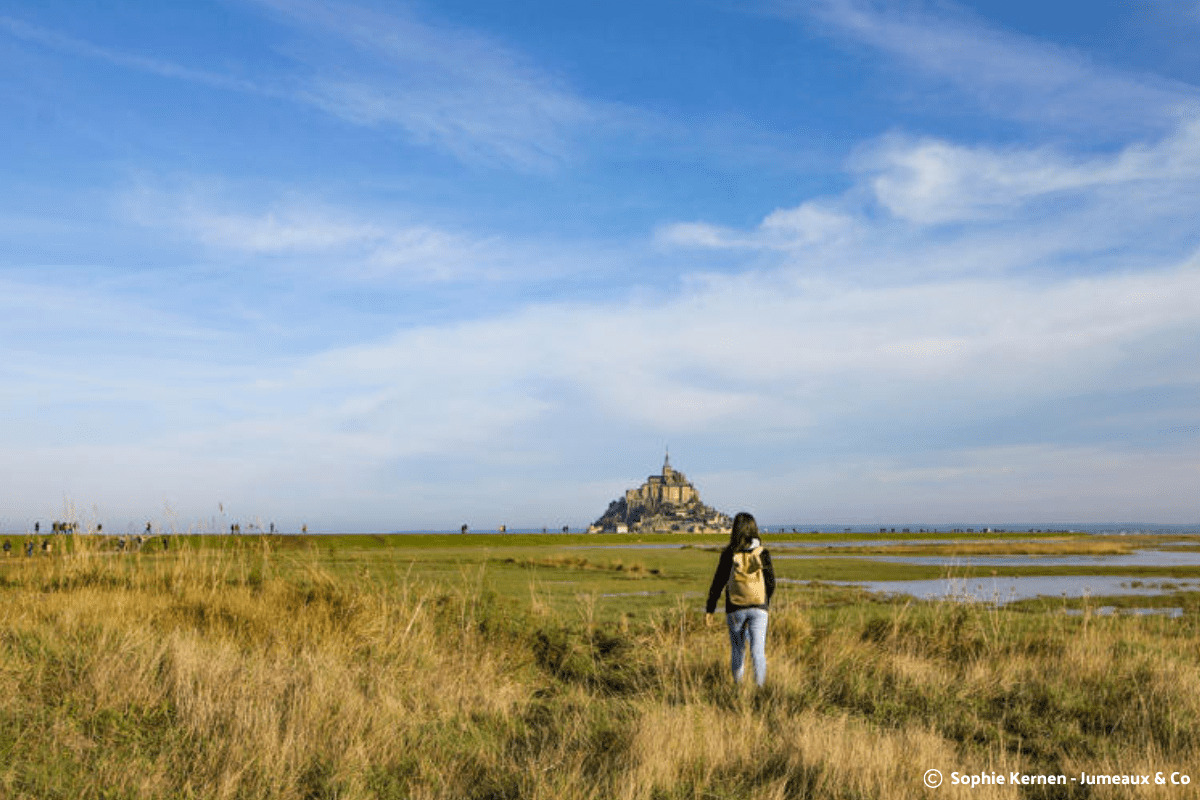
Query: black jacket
721	578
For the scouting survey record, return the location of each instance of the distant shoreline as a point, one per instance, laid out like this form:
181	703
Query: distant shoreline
1098	528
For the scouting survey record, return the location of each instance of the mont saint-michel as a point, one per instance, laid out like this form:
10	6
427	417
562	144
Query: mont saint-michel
665	502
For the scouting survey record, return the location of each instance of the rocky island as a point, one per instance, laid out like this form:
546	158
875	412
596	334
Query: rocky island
665	502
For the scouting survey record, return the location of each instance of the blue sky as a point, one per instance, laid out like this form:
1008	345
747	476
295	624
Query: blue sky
408	265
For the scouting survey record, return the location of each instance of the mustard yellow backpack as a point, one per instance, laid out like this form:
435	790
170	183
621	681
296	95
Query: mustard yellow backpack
746	585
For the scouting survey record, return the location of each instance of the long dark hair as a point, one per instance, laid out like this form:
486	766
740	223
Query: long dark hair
744	529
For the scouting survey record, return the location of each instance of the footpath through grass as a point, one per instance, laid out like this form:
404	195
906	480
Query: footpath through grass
258	669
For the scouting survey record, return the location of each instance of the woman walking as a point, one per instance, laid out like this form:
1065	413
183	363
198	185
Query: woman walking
748	578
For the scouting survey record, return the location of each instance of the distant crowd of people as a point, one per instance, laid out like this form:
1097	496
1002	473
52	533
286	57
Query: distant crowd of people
123	543
46	546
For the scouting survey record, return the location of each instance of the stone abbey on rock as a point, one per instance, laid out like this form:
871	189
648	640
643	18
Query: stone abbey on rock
665	502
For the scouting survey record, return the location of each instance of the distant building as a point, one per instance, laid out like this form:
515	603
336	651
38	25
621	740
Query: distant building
665	502
671	487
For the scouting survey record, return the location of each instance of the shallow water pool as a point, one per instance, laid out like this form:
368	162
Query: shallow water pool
1138	558
1006	590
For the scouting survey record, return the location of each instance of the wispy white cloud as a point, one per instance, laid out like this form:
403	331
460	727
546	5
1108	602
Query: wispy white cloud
807	225
155	66
447	88
277	232
1009	208
1005	73
451	88
928	207
353	245
932	181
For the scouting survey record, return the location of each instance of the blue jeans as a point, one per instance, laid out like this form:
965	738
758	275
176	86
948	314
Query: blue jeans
748	623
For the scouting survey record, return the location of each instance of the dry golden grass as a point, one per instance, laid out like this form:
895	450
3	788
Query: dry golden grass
244	674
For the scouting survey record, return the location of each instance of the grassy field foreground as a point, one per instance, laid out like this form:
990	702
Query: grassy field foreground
239	673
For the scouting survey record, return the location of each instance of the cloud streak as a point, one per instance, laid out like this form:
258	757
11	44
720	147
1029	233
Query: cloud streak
345	244
921	208
449	88
931	181
155	66
1007	75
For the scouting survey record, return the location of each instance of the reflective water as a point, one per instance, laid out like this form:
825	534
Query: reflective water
773	545
872	543
1006	590
1138	558
987	589
1108	611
